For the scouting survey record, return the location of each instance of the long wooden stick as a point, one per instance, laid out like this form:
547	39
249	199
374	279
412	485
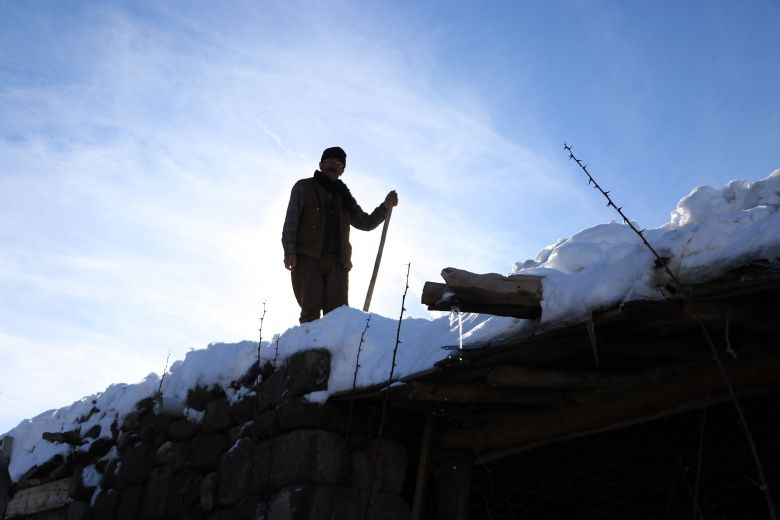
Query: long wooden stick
378	260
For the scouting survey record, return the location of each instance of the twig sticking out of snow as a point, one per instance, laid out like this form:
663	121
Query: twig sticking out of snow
276	353
165	370
259	376
359	350
158	397
386	398
260	340
354	378
686	297
395	350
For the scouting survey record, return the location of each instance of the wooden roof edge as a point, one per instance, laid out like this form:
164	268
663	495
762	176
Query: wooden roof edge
754	372
367	392
749	279
745	280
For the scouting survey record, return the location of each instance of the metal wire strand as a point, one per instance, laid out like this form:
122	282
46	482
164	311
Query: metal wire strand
663	263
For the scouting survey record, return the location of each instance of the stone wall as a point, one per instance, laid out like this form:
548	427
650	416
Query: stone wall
268	455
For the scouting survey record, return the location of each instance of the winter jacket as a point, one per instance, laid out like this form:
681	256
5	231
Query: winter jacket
304	224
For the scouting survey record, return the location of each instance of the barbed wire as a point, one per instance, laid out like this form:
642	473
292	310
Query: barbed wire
663	262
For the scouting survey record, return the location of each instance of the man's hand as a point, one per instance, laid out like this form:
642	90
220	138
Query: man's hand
289	262
391	200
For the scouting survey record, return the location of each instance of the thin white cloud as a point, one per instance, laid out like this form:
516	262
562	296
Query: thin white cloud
142	204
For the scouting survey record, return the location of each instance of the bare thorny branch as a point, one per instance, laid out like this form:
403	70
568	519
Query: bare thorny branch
260	342
165	371
276	352
686	297
158	395
386	399
359	350
354	379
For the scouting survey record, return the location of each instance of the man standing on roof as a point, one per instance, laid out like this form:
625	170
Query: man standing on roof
315	235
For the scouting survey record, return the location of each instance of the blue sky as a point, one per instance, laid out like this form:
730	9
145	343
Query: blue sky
147	150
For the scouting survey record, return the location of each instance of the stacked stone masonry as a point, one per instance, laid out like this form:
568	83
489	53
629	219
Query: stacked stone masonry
271	455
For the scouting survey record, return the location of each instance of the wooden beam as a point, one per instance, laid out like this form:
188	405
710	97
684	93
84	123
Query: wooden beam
494	288
756	371
516	376
5	486
441	297
436	294
516	296
691	347
687	406
672	310
760	277
525	313
575	379
40	498
481	393
6	445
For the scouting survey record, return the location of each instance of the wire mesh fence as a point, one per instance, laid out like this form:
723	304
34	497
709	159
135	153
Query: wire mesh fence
696	465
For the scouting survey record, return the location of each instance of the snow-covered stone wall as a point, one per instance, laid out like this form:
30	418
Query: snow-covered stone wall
266	452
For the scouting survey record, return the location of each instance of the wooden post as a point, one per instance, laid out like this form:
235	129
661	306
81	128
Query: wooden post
453	487
378	260
418	507
6	443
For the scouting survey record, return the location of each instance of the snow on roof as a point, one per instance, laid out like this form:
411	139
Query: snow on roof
710	232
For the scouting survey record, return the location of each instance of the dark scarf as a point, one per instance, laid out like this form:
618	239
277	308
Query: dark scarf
347	200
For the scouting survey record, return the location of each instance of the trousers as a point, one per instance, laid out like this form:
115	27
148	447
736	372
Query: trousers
320	285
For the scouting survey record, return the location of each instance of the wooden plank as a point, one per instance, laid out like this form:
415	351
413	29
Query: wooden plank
511	311
516	296
516	376
759	370
6	445
495	289
5	489
674	310
434	293
440	297
524	288
743	281
40	498
481	393
687	406
691	346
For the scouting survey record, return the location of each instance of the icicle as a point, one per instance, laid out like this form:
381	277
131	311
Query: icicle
592	336
456	315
